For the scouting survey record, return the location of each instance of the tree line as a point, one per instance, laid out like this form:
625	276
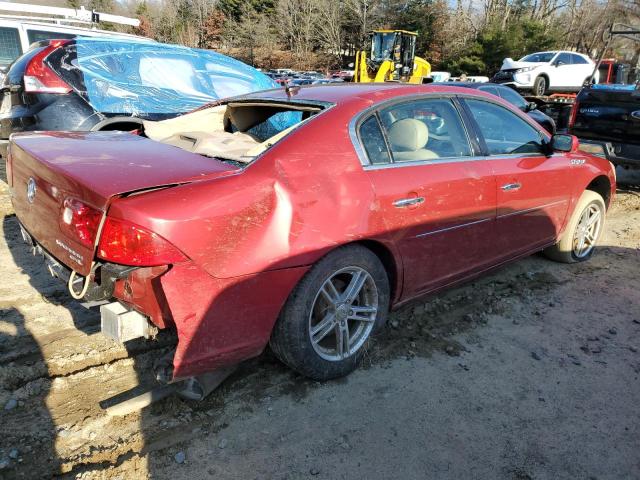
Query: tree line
468	36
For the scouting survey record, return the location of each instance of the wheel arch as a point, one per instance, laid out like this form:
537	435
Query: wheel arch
602	186
545	75
390	262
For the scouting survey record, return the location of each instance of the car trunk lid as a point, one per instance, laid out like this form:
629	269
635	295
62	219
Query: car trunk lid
93	168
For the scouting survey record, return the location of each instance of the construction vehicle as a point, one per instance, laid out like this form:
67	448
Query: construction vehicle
392	58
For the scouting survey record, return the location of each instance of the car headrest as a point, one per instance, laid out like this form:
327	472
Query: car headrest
408	135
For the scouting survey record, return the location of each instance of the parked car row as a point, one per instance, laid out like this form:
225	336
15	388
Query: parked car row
286	76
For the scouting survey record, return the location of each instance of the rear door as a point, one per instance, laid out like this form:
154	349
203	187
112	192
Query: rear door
433	195
533	189
565	74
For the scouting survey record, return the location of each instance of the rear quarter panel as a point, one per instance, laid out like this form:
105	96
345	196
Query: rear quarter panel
305	196
585	173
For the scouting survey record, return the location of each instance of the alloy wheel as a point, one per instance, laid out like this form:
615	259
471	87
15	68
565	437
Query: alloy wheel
587	231
343	314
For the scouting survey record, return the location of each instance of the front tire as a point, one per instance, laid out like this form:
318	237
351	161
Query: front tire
324	328
578	242
540	86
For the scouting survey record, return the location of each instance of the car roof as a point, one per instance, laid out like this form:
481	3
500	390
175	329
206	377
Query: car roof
470	84
347	92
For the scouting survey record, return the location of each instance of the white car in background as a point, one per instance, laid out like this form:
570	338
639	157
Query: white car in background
546	72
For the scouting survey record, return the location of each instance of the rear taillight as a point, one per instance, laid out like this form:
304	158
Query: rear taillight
80	221
39	78
574	114
126	243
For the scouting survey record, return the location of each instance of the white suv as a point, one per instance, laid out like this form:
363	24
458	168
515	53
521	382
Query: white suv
545	72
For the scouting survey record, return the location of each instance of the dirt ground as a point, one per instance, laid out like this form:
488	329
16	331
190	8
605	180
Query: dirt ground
529	373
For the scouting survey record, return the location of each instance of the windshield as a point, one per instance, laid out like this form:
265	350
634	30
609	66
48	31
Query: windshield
542	57
146	78
382	46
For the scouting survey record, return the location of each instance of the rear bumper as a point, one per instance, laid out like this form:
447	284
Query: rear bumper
220	322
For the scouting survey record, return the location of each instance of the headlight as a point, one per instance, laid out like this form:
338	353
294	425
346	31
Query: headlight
525	69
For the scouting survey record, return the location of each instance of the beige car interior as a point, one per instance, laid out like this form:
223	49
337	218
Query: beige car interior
207	132
408	138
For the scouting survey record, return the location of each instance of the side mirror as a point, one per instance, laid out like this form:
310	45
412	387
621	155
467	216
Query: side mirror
531	106
564	143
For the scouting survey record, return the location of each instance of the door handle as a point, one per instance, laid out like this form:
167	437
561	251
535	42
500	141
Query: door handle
407	202
511	186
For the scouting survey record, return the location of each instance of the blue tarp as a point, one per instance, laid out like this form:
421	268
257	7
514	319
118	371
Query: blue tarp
614	86
141	78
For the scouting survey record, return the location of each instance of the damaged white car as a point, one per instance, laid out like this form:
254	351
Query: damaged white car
547	72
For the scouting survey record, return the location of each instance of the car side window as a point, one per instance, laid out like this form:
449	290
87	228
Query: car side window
512	97
578	59
373	141
504	131
40	35
10	48
564	59
426	129
489	89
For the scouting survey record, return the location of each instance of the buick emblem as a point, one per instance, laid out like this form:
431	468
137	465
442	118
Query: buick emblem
636	114
31	189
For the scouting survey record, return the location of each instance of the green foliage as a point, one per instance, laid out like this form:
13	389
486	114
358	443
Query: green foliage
233	8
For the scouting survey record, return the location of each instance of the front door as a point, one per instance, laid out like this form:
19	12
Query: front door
434	197
533	189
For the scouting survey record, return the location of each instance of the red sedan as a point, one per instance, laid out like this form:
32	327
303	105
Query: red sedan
299	218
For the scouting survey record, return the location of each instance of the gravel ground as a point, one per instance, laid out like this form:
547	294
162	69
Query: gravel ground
529	373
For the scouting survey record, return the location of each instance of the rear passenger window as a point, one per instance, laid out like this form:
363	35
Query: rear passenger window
513	98
373	141
426	129
10	48
504	132
39	35
488	89
578	59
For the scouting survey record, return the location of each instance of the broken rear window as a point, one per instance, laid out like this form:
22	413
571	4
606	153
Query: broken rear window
237	131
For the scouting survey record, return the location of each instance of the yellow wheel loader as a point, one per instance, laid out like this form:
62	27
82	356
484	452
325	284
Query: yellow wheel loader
392	59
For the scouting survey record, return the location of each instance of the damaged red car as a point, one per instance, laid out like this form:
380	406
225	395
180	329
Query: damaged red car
298	218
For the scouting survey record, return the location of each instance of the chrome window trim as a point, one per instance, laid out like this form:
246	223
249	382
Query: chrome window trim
355	122
358	119
444	160
532	209
455	227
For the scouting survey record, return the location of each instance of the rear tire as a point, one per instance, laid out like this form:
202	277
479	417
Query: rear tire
324	328
540	86
578	242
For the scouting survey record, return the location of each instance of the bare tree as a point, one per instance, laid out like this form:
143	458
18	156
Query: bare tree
298	21
330	20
